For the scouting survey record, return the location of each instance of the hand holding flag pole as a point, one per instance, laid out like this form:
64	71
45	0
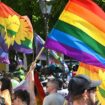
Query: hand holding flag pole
29	82
30	74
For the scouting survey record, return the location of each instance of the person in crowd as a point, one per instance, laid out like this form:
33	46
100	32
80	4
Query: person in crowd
6	90
53	98
62	90
82	90
20	71
21	97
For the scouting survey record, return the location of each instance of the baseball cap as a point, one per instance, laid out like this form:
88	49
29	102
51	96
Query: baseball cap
79	83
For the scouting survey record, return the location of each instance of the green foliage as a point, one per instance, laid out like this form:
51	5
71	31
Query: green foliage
37	19
56	11
20	6
101	3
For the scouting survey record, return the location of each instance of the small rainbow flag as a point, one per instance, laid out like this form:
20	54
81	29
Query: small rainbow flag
80	33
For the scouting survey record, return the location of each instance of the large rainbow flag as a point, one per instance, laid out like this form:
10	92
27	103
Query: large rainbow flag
16	30
95	73
80	32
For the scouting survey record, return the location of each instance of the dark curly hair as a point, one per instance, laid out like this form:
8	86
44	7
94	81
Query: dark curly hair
6	84
23	95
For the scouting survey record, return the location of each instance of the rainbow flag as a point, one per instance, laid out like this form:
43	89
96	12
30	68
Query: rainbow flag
80	33
16	30
95	73
39	43
40	92
54	56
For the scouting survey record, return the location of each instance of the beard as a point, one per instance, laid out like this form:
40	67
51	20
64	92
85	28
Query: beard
92	99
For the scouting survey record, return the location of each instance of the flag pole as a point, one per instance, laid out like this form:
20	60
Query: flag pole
37	57
33	64
31	70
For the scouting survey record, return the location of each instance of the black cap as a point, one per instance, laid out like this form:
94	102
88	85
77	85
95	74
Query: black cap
79	83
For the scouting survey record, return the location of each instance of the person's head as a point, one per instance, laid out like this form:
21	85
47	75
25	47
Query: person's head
21	97
6	84
52	86
81	87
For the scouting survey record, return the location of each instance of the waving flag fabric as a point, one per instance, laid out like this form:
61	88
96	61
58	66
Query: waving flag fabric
4	56
80	33
95	73
28	84
40	43
16	30
40	92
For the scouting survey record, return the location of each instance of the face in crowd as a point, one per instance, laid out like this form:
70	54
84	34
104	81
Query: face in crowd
92	96
82	89
21	97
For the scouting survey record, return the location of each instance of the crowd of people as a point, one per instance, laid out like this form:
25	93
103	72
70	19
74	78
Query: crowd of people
80	90
10	97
